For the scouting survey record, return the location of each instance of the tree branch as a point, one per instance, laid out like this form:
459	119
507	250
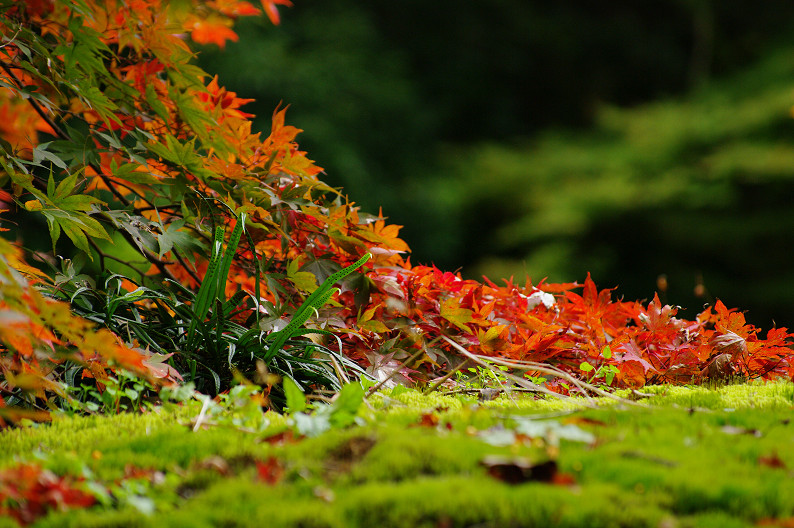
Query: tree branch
36	106
161	266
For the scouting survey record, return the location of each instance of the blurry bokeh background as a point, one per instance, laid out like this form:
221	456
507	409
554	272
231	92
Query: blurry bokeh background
534	138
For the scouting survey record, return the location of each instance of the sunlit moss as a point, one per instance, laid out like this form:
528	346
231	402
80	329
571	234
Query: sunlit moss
688	456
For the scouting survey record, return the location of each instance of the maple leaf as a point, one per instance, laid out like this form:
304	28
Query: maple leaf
228	102
272	10
269	471
494	338
629	351
280	134
232	8
593	313
66	210
210	30
632	374
303	280
170	236
451	311
159	368
367	321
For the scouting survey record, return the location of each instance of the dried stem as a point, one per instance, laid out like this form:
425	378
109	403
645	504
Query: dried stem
547	369
448	375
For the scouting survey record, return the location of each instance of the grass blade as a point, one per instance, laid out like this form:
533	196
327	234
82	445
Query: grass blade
315	301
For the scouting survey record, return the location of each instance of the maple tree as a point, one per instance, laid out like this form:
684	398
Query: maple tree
151	170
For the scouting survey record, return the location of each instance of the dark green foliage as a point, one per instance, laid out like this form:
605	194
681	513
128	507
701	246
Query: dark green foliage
213	340
434	79
313	302
698	189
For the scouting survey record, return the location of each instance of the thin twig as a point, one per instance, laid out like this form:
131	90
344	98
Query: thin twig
137	270
11	40
202	414
99	252
111	185
448	375
36	106
540	368
188	269
494	389
123	199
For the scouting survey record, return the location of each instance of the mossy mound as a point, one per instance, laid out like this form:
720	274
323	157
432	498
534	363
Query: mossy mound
683	457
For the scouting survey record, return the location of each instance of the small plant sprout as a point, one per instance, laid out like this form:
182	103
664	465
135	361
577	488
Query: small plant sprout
605	372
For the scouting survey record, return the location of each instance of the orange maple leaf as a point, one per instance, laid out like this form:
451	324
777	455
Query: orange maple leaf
272	11
210	30
234	9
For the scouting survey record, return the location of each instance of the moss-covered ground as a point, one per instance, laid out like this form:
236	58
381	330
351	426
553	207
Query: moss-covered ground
720	457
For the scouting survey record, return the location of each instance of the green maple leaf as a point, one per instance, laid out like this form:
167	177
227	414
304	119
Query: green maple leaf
66	212
451	311
172	236
303	280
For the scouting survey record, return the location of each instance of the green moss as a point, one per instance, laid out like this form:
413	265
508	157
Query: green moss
402	455
7	522
690	456
95	518
242	502
758	394
83	433
713	520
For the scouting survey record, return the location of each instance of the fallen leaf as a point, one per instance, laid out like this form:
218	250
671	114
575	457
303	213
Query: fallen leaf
269	471
583	420
509	470
734	430
428	420
642	456
216	463
778	523
282	438
772	461
519	470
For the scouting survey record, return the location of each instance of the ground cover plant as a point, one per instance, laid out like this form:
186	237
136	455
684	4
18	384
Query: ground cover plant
186	258
678	456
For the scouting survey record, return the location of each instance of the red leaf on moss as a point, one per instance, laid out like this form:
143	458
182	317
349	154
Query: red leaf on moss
269	471
28	492
519	470
772	461
428	420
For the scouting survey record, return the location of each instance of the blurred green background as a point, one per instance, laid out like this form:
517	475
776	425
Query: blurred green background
548	139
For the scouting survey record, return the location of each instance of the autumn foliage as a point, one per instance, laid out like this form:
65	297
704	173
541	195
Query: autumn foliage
28	492
131	155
